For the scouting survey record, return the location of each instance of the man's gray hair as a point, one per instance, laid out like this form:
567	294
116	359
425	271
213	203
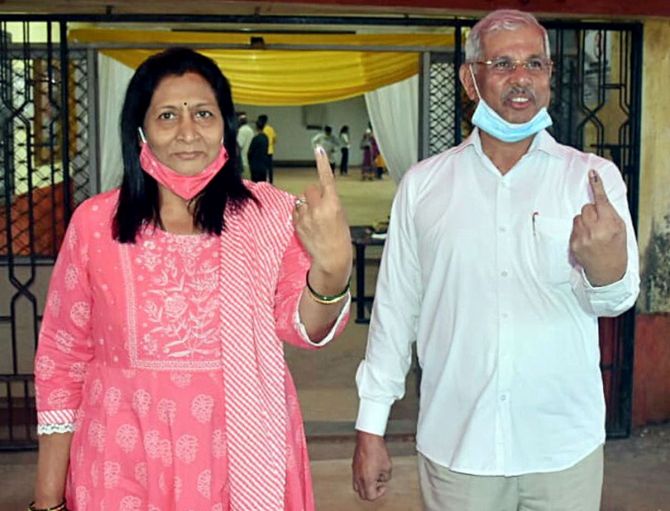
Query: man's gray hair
502	19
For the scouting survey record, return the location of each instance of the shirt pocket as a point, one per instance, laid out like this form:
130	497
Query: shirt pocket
552	245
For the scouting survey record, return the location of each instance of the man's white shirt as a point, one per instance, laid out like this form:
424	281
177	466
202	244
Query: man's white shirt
244	135
477	270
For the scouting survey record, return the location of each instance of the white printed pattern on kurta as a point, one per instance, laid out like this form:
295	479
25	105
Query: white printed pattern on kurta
174	292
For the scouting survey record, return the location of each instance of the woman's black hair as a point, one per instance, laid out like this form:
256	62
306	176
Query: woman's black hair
138	199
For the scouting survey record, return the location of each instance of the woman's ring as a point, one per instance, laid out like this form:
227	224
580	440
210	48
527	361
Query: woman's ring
300	202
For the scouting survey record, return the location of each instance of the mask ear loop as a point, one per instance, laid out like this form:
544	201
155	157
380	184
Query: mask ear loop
140	132
474	81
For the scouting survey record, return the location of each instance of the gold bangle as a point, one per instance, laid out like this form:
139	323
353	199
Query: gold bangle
59	507
326	299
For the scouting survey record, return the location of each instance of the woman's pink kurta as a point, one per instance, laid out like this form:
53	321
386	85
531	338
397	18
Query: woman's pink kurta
129	354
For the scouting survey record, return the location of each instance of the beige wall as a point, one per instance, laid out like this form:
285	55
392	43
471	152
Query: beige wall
654	199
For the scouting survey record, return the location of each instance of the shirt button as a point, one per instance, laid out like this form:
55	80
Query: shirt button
503	397
503	273
505	315
502	228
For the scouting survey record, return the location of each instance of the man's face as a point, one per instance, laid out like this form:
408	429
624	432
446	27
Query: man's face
517	95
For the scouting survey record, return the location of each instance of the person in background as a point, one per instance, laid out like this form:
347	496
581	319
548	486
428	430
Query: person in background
501	255
259	160
369	147
244	135
160	378
344	150
272	142
329	142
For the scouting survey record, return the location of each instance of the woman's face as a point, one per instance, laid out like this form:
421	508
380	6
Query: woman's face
183	125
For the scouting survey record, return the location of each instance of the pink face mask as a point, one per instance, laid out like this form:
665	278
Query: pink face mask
186	187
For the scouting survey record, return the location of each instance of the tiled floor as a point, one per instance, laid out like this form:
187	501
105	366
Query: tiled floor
637	476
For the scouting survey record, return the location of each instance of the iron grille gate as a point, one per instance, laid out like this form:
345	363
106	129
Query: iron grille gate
44	103
47	93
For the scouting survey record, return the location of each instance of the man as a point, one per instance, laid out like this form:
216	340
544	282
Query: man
244	135
329	142
258	154
272	140
500	256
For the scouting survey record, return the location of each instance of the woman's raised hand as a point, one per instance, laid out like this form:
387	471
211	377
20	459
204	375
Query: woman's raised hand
322	226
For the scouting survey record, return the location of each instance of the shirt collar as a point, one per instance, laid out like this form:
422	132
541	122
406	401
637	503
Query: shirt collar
543	142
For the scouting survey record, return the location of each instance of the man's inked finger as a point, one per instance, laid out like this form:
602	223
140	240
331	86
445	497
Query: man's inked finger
597	188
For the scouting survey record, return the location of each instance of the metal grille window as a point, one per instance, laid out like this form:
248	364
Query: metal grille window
43	104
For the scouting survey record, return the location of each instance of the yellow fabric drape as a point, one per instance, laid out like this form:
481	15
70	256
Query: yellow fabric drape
287	77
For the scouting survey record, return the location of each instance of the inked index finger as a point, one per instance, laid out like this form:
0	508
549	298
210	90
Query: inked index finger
326	177
598	188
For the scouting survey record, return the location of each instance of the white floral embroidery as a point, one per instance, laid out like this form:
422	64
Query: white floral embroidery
80	313
64	341
201	408
44	367
77	371
187	448
167	410
112	400
130	503
82	497
71	277
218	444
204	483
157	447
141	474
111	473
172	284
126	437
178	486
72	238
54	303
96	435
141	402
181	380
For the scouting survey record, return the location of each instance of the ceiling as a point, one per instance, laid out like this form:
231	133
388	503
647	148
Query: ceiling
439	8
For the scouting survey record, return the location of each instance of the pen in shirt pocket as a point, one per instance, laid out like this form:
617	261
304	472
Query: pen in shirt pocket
533	217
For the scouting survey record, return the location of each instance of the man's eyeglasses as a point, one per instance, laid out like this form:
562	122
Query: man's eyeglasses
506	65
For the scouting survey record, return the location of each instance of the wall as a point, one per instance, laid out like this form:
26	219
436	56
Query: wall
293	138
651	386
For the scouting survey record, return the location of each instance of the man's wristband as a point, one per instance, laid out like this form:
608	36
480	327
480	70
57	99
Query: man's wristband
326	299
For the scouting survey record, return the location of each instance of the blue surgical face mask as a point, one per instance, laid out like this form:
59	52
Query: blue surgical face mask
488	120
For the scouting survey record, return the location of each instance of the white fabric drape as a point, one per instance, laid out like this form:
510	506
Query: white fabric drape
113	78
394	115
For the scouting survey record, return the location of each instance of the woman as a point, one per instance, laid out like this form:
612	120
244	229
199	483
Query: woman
368	146
160	377
344	150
